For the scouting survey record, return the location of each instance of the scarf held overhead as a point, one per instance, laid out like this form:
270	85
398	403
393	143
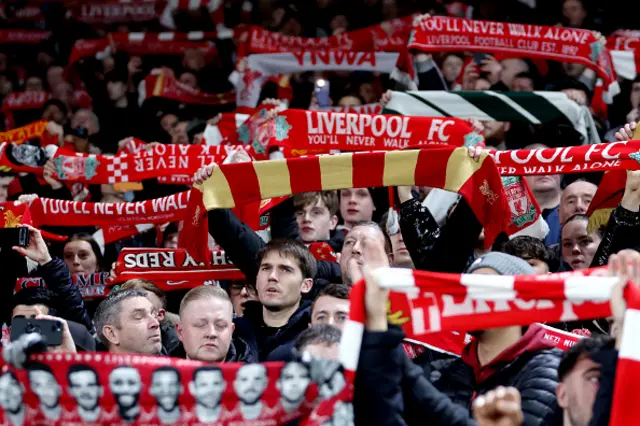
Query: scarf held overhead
517	40
440	167
164	390
308	132
91	286
437	302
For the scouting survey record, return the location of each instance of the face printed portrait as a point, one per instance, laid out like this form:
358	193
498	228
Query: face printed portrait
250	383
125	385
333	383
85	388
43	383
26	154
292	384
11	395
166	388
207	387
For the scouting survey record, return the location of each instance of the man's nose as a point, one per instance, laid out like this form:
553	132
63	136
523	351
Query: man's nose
153	322
357	247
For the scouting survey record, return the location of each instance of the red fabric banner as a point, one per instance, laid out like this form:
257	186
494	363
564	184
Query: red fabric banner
20	101
92	286
17	36
303	132
165	86
438	33
174	269
118	389
113	12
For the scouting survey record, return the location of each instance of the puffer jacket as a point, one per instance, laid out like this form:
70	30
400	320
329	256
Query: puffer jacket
239	351
446	249
530	365
622	232
403	394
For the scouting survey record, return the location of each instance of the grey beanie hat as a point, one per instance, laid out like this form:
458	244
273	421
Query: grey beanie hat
503	264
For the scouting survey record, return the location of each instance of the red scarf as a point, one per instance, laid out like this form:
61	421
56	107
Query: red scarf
92	286
309	132
144	44
426	302
16	36
358	109
571	159
438	33
113	12
165	86
22	134
441	167
173	269
142	372
20	101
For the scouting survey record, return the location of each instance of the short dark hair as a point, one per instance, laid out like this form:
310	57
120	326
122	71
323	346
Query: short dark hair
292	249
527	247
79	368
108	311
387	241
329	198
204	370
168	369
38	366
320	334
339	291
587	346
35	296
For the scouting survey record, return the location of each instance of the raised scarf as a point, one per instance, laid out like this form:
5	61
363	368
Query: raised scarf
144	44
324	397
438	33
22	134
17	36
302	132
20	101
261	66
167	87
92	286
171	269
375	108
441	167
110	12
426	302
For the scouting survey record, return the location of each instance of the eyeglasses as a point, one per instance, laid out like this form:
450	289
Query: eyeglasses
237	287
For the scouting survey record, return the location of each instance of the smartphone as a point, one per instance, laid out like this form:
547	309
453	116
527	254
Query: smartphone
50	330
478	57
10	237
322	92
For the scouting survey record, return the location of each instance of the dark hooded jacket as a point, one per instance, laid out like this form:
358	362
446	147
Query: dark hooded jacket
530	365
239	351
405	395
264	340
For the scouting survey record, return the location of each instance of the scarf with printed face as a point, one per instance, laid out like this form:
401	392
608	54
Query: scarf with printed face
440	33
92	286
442	167
427	302
167	87
142	389
302	132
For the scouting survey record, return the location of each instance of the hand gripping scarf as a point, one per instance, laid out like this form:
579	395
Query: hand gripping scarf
574	45
164	390
441	167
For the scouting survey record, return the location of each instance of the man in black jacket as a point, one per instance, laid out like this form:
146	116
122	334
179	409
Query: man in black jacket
396	391
285	273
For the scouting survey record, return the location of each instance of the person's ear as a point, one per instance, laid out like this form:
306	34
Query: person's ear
307	284
111	334
561	395
333	223
391	257
179	330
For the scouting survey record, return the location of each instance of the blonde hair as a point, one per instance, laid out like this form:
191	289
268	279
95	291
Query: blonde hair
203	292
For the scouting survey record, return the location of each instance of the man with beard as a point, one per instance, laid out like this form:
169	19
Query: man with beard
250	384
166	388
125	385
292	384
207	387
11	400
43	383
85	388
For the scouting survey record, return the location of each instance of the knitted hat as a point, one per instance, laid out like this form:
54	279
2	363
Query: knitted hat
503	264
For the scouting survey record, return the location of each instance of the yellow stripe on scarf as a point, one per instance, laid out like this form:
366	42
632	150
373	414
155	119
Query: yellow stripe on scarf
273	177
400	168
460	168
216	193
336	171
